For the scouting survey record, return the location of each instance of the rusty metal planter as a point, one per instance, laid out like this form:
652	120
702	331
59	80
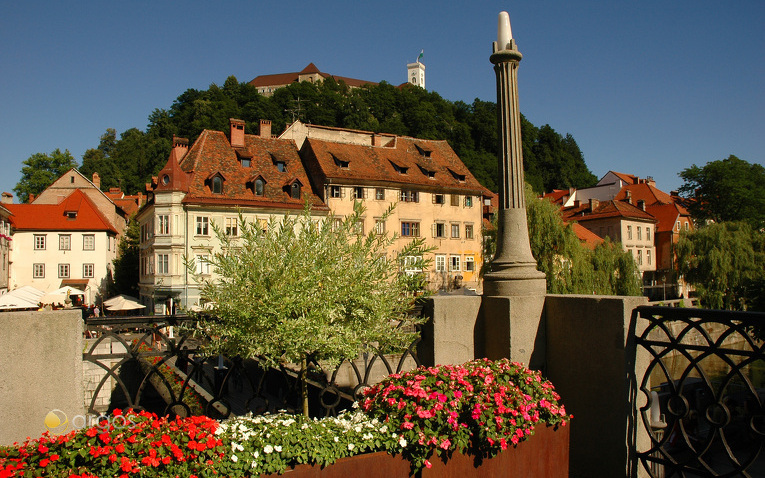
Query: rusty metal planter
543	455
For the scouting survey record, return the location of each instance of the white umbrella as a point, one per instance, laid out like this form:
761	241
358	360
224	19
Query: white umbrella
59	296
118	299
122	303
25	297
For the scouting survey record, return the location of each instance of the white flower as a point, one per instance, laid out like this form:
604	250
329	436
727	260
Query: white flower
278	449
255	454
268	449
402	442
234	458
337	439
351	446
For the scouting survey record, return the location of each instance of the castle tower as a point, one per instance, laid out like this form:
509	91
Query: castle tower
415	72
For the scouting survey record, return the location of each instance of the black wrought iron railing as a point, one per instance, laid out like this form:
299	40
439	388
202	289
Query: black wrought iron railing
149	363
704	389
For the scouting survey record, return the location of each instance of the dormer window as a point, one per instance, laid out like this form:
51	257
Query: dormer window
459	177
399	169
281	166
217	185
257	185
340	163
165	179
295	190
427	172
246	162
70	214
423	152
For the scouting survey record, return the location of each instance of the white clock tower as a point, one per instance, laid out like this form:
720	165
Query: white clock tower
415	72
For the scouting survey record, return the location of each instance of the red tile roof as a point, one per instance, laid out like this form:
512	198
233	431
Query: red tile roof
627	178
644	192
605	209
667	215
427	164
288	78
212	154
54	217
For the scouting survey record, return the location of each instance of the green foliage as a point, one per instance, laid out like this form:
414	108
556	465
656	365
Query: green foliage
551	160
725	262
126	276
40	170
306	288
727	190
571	268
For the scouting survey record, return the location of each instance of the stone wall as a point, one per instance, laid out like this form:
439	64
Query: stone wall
41	371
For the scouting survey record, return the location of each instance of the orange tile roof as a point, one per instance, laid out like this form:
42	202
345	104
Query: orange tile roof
627	178
213	154
53	217
588	238
428	164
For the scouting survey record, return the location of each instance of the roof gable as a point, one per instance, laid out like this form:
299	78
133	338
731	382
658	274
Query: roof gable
76	213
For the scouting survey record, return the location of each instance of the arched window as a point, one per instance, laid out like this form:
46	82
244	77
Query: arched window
295	190
217	185
260	187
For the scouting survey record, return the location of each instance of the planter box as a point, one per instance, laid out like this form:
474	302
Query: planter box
543	455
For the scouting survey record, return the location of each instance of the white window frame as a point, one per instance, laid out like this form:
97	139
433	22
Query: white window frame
469	264
439	230
88	242
163	225
203	225
38	271
469	231
454	263
232	226
64	271
39	242
202	264
454	230
64	242
88	270
440	261
163	264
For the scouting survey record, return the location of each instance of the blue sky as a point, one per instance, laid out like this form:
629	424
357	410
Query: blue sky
647	88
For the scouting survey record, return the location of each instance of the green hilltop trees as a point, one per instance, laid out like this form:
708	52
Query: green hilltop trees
552	161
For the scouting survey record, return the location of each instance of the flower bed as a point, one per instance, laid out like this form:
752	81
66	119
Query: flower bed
429	416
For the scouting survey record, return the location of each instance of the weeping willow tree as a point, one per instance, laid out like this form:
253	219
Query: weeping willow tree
571	268
725	262
299	290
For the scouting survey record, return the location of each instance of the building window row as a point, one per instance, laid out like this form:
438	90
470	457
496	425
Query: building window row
64	271
454	263
65	242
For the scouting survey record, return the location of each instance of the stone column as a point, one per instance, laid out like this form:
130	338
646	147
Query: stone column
514	290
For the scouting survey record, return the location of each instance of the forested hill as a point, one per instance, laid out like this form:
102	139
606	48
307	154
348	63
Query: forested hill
552	161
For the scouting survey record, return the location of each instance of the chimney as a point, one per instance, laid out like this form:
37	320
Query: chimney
265	129
594	203
237	133
97	180
7	198
649	180
180	147
674	192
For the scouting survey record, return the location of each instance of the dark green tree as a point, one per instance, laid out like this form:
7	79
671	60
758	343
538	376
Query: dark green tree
126	264
40	170
727	190
99	160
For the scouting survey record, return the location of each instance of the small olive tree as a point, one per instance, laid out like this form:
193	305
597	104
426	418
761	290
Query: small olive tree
299	289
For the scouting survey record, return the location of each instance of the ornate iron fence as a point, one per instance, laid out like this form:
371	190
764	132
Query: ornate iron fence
704	387
145	364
